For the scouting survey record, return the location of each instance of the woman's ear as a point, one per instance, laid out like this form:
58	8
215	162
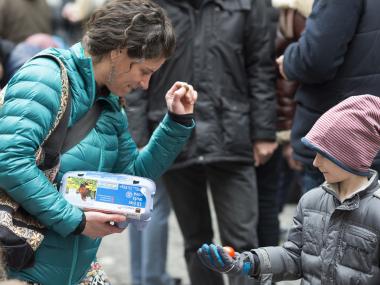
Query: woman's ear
115	54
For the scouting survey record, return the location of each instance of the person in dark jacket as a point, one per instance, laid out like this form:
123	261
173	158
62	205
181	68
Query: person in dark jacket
23	18
291	23
336	230
336	57
224	49
24	51
5	50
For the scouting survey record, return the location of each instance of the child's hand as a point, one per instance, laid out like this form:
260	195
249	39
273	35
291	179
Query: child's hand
217	259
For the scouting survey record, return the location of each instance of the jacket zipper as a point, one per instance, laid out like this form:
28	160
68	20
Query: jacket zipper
101	160
74	260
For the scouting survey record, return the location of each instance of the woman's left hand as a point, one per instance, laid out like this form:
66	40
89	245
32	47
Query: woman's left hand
98	224
181	98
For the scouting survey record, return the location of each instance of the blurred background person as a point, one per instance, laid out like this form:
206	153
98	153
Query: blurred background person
20	19
25	50
336	57
225	50
148	251
80	10
26	27
291	20
70	16
6	48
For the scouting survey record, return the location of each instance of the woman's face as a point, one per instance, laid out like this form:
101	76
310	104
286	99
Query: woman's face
127	74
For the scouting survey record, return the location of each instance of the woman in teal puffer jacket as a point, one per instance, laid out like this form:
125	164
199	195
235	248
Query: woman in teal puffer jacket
126	41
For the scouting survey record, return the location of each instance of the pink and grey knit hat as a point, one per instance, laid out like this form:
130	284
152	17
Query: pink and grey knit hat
348	134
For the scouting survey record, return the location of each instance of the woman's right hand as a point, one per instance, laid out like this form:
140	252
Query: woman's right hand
180	98
98	224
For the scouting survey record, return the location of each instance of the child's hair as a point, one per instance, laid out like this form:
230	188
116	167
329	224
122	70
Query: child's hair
348	134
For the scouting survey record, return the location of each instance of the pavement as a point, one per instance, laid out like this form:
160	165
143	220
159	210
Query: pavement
114	252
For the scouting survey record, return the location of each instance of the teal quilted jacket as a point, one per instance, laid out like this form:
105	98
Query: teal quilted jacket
31	103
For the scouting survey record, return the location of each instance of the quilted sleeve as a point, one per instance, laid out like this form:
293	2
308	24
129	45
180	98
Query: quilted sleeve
31	104
157	156
284	262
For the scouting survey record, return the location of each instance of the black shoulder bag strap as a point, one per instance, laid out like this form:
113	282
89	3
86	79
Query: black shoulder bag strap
63	138
81	128
53	144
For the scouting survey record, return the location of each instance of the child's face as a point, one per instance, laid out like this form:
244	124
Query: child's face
332	172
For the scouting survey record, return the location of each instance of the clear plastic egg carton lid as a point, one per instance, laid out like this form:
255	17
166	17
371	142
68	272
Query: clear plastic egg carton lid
112	193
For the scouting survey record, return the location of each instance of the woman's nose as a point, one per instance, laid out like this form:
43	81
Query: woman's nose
144	83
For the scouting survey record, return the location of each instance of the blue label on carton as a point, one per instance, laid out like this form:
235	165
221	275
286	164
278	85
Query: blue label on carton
121	194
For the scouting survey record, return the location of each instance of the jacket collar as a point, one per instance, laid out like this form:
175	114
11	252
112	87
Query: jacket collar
87	72
352	202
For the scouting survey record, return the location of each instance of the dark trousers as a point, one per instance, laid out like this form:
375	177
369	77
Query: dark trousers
268	228
234	193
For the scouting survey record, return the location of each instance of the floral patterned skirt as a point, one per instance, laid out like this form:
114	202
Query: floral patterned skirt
95	276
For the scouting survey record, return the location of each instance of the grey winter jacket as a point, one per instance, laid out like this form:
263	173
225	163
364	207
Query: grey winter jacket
330	242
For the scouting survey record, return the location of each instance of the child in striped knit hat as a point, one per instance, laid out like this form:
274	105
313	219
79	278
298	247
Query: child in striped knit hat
336	231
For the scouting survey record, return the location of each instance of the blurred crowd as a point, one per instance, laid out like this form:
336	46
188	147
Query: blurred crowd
27	27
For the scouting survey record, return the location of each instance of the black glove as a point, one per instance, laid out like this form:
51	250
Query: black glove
217	259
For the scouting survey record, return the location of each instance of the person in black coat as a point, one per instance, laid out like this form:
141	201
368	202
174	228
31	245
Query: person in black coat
224	49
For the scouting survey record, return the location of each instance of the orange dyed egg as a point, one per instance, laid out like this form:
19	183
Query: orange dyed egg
229	250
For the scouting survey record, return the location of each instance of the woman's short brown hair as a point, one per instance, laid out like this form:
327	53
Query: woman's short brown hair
140	26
